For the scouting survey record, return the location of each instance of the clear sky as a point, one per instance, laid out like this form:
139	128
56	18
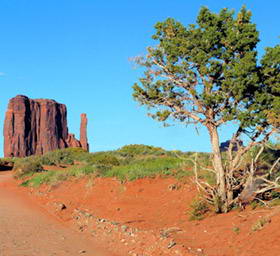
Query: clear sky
77	52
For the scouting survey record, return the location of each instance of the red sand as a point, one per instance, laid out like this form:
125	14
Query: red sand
148	217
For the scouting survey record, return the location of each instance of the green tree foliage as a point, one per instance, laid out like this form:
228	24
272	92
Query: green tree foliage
207	73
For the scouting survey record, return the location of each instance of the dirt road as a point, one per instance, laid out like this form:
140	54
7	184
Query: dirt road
25	230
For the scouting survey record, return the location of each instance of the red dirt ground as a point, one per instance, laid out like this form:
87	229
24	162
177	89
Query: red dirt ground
148	217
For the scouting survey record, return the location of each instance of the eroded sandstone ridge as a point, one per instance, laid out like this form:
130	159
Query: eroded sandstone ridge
34	127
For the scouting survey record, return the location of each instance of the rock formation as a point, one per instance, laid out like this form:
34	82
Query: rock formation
83	132
34	127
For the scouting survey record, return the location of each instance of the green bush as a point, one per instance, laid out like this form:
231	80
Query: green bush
103	160
199	208
139	149
145	168
26	166
57	157
79	154
81	171
55	177
128	163
43	178
259	224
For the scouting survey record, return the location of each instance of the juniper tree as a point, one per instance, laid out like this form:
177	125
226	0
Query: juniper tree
207	73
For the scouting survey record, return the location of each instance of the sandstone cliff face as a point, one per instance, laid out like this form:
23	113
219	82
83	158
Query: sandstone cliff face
34	127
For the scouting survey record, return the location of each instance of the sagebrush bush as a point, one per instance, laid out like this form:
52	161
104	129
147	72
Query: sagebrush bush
259	224
139	149
26	166
57	157
55	177
145	168
199	208
103	160
127	163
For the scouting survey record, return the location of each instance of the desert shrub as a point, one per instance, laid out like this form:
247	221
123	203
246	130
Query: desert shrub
55	177
43	178
57	157
139	149
199	208
208	176
255	204
275	194
26	166
258	225
7	160
70	155
136	170
145	168
48	177
181	173
103	160
236	230
82	171
274	202
79	154
128	163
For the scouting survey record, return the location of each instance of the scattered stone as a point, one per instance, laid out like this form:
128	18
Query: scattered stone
166	232
124	228
82	251
171	244
60	206
174	187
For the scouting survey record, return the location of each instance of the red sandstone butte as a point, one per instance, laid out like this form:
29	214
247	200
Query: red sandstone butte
34	127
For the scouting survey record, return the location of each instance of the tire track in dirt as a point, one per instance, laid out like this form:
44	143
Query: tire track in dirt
26	231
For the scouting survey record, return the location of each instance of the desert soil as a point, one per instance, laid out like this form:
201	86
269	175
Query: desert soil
146	217
26	229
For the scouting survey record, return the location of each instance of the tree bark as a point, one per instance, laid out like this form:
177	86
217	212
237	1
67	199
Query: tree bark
219	168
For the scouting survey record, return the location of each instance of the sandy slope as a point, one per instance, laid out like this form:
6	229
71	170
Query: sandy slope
26	230
145	217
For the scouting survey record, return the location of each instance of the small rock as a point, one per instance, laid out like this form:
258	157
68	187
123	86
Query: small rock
173	187
124	228
165	233
82	251
60	206
88	215
171	244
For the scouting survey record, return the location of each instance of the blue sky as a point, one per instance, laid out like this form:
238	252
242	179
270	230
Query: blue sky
77	52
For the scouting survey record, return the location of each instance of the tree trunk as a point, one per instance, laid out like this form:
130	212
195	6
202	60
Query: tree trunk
219	169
